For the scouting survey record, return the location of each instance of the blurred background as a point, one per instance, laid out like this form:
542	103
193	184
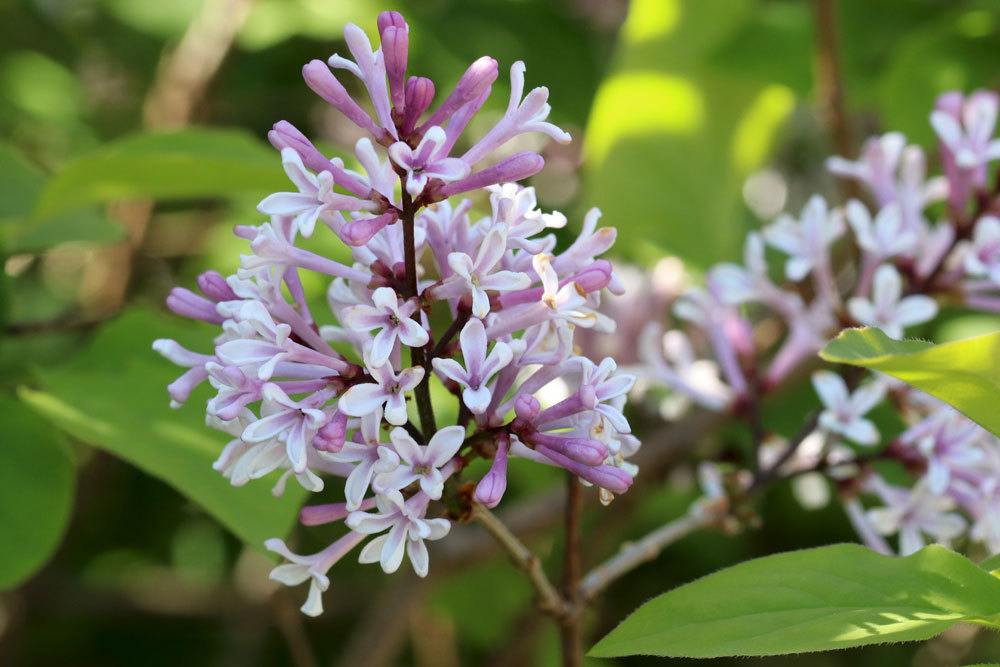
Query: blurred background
131	141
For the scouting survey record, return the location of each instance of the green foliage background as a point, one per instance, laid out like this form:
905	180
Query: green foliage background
118	544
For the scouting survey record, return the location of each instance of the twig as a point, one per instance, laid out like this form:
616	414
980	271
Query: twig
186	72
765	477
289	622
454	328
829	80
549	599
570	634
649	547
422	393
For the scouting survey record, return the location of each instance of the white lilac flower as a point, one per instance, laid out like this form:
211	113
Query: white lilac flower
952	446
876	167
426	161
844	411
386	396
515	207
408	528
364	456
806	241
967	132
293	422
888	309
313	568
884	237
314	199
478	277
479	367
407	462
394	322
913	514
287	377
983	256
669	359
242	461
600	387
527	115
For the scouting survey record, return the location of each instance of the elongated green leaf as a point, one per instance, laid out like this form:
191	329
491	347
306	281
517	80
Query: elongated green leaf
113	397
20	186
36	491
814	600
964	373
170	165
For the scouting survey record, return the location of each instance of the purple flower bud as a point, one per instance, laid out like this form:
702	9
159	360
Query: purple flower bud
359	232
480	75
248	232
492	486
214	286
285	135
331	437
527	407
322	81
586	451
419	95
395	45
595	277
607	477
317	515
514	168
186	303
391	19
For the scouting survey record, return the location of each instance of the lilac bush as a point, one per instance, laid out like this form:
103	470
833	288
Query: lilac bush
891	260
345	395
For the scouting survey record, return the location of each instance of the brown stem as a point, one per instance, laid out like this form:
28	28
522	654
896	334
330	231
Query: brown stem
648	548
425	408
570	630
448	335
550	601
289	622
829	79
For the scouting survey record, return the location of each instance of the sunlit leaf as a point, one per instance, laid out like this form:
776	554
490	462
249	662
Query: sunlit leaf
964	373
113	397
171	165
36	491
813	600
669	170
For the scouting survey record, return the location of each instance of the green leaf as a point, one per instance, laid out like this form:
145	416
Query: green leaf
20	187
964	373
36	492
670	170
169	165
83	226
113	396
991	564
813	600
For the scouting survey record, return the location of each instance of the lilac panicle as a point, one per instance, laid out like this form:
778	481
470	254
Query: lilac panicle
323	394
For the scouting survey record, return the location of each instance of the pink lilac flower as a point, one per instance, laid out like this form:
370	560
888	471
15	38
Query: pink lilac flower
393	320
844	411
308	393
479	367
407	462
888	309
386	396
408	528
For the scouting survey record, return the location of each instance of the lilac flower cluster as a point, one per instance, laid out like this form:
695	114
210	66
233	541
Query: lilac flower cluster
886	264
328	395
